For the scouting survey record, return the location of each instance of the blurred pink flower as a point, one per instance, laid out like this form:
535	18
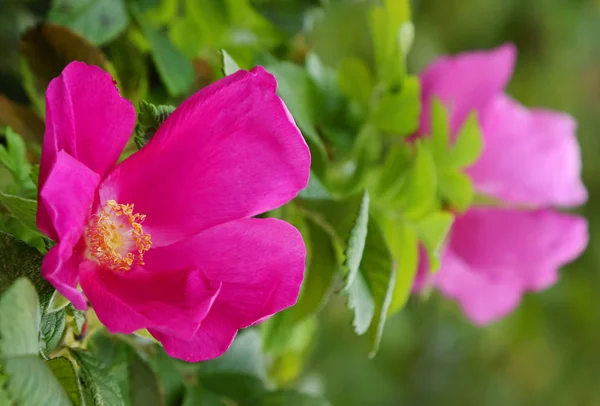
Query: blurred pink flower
531	161
164	240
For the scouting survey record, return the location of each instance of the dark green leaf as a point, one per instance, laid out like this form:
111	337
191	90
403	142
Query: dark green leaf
52	329
64	370
97	381
22	120
22	209
288	398
298	92
239	373
100	21
145	389
315	189
150	118
197	396
18	259
174	68
48	48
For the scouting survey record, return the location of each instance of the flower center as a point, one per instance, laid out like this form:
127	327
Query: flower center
115	237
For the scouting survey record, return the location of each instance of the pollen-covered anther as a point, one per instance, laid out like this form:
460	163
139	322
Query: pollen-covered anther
115	237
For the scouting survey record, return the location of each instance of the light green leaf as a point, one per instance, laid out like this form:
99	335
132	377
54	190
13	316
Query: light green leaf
229	64
29	381
404	244
18	259
457	188
100	21
19	320
440	131
64	370
418	194
398	112
355	80
468	144
432	231
96	381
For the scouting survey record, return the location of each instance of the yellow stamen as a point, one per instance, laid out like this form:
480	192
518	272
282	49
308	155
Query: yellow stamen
115	237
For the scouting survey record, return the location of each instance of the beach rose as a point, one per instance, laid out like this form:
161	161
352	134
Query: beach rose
531	162
165	240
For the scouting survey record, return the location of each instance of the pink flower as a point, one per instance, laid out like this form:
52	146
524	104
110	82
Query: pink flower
531	161
164	240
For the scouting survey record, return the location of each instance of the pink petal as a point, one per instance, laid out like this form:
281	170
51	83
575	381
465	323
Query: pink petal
496	255
64	204
482	298
259	261
212	339
465	82
530	156
86	117
172	300
230	151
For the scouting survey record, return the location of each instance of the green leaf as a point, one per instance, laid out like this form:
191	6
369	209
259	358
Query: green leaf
150	118
398	112
404	244
22	209
418	194
440	131
144	386
298	92
468	144
456	188
197	396
19	320
29	381
18	259
320	275
64	370
239	373
174	68
14	158
315	189
78	318
355	81
432	232
52	329
377	266
288	398
100	21
132	68
48	48
345	221
229	64
22	120
361	302
96	381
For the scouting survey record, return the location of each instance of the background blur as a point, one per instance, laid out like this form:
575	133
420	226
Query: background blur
547	352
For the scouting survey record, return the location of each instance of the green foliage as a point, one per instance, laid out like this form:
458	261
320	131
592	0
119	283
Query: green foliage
100	21
150	117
